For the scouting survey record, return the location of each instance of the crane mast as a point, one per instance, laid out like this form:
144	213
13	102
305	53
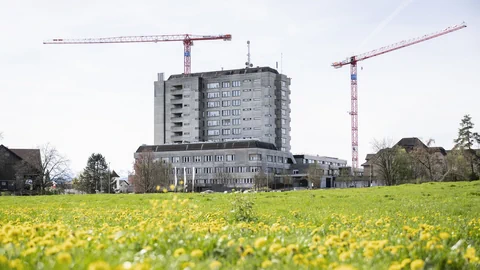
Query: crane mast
187	40
353	60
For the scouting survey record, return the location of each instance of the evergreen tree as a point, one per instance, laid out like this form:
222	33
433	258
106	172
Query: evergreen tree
95	176
465	142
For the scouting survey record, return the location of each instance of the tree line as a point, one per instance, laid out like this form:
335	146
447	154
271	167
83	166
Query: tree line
396	165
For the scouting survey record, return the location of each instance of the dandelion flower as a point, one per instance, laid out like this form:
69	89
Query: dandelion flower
260	242
196	253
99	265
64	258
417	265
444	235
266	264
215	265
179	252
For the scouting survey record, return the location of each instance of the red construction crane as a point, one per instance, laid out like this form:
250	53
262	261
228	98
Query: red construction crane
186	38
352	61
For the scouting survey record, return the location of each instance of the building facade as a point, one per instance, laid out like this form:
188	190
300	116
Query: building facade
19	169
222	165
222	106
330	169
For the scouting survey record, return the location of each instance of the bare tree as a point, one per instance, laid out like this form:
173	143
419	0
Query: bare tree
54	167
429	162
391	162
260	180
315	174
150	173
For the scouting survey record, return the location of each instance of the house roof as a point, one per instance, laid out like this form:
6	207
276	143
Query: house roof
31	156
206	146
213	74
410	143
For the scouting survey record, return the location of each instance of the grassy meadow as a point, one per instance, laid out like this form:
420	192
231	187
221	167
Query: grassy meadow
427	226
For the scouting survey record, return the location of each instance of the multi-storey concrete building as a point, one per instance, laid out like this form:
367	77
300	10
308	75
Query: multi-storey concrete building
329	165
222	106
222	165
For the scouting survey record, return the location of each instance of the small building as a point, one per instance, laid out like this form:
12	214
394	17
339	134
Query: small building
316	171
20	169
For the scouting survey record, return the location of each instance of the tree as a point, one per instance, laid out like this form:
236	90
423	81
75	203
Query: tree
54	167
224	177
95	176
260	180
428	163
150	173
465	141
315	174
392	162
458	166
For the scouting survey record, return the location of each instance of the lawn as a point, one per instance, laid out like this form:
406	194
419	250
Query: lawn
432	225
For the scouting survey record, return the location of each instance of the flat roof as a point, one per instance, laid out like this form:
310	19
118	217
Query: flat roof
211	74
206	146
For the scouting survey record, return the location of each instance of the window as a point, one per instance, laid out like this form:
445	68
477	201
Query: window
280	159
208	158
165	160
213	104
226	112
284	131
236	112
247	128
226	131
242	169
197	159
236	83
284	140
213	85
283	149
208	170
284	112
247	90
255	157
255	168
213	132
226	122
256	118
213	95
237	121
284	93
213	113
247	99
226	94
219	158
247	109
175	159
186	159
269	158
295	171
237	131
226	103
236	102
236	93
247	119
256	99
230	157
213	123
284	121
284	83
225	84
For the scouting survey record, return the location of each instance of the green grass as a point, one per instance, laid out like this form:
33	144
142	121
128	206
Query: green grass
399	227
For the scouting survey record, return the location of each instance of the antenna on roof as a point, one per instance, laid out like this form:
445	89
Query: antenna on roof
248	63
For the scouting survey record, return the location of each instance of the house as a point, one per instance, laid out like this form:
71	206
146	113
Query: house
19	169
435	156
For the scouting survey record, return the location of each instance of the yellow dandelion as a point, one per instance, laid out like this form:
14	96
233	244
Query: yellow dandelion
470	255
15	264
444	235
292	248
215	265
405	262
179	252
172	187
267	263
344	234
345	255
248	251
344	267
316	239
189	265
99	265
230	243
260	242
165	190
142	266
395	266
3	259
196	253
64	258
417	264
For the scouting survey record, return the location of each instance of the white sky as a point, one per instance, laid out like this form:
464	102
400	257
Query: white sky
87	99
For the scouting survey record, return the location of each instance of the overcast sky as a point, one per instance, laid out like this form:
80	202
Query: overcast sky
86	99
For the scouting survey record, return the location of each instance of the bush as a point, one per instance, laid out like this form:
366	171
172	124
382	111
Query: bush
242	208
